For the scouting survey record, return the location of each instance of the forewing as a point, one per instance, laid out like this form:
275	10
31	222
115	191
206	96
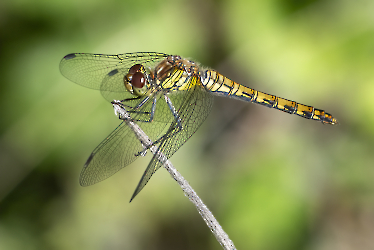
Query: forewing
90	70
194	106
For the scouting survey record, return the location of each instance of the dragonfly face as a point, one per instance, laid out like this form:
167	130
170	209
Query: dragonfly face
168	96
136	80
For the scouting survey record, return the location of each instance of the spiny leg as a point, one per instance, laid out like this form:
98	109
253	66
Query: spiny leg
172	131
133	111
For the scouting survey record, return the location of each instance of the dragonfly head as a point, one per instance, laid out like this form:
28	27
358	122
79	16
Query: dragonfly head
136	81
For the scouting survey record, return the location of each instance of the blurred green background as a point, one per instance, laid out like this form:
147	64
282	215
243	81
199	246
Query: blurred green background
273	180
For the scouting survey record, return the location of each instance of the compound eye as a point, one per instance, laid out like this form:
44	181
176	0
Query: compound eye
135	68
138	80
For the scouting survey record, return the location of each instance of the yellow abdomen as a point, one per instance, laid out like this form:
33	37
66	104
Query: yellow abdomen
221	85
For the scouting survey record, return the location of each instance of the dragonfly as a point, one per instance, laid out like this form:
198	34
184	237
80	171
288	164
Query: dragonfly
168	96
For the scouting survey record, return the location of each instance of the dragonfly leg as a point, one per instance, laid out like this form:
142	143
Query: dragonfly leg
151	114
142	102
171	132
133	99
173	111
134	111
128	100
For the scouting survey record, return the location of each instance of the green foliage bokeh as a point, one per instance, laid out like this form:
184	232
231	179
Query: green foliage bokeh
273	180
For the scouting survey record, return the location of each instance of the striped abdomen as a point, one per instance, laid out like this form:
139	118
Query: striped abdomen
221	85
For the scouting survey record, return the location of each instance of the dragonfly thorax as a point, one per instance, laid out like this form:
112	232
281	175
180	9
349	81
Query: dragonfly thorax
175	73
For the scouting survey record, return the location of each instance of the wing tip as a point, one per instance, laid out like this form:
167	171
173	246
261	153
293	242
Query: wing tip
137	191
70	56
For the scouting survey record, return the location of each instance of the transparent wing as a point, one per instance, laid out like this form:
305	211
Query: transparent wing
112	154
193	106
105	72
120	148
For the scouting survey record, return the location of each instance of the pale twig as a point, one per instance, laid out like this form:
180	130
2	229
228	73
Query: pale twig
208	217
